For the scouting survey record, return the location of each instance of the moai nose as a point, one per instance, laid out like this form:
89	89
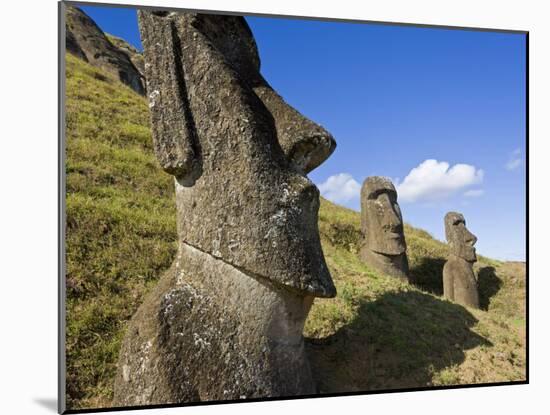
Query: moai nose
392	219
304	142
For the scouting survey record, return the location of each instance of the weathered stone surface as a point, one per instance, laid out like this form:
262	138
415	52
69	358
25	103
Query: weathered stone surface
135	55
215	334
226	321
73	46
459	280
87	41
384	245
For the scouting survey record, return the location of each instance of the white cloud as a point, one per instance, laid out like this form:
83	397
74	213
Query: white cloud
474	193
340	188
432	180
515	160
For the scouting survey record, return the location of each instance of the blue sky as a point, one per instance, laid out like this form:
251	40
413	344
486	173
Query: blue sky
408	103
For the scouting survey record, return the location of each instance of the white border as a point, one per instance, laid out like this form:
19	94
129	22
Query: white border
29	202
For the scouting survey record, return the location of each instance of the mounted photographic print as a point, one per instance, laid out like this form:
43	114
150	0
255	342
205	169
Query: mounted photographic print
276	207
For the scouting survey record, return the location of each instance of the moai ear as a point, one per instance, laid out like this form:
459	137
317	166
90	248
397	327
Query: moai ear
173	128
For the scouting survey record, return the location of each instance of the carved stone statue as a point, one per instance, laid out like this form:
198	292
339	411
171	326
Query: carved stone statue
459	281
226	321
384	246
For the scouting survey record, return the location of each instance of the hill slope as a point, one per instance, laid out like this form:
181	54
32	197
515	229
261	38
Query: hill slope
378	333
87	41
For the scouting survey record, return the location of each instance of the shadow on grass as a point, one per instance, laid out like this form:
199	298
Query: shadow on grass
397	341
428	275
488	285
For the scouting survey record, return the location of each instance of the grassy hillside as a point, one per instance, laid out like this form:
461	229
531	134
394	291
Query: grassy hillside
377	333
380	333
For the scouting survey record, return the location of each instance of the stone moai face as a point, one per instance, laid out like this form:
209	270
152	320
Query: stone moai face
461	240
381	218
238	152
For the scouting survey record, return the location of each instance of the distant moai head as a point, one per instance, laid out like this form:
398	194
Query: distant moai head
381	219
459	281
461	240
238	152
384	246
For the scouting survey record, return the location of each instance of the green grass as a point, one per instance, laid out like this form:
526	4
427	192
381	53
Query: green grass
378	333
381	333
121	226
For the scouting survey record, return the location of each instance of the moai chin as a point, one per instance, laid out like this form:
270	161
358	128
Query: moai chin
459	281
226	321
384	246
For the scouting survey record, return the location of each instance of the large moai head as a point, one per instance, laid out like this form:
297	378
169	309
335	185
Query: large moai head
461	240
238	152
382	224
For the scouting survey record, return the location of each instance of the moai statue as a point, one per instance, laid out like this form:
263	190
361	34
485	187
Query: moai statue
384	246
226	321
459	281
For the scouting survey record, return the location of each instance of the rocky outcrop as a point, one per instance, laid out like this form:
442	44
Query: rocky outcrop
135	55
384	246
226	321
459	280
73	46
87	41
